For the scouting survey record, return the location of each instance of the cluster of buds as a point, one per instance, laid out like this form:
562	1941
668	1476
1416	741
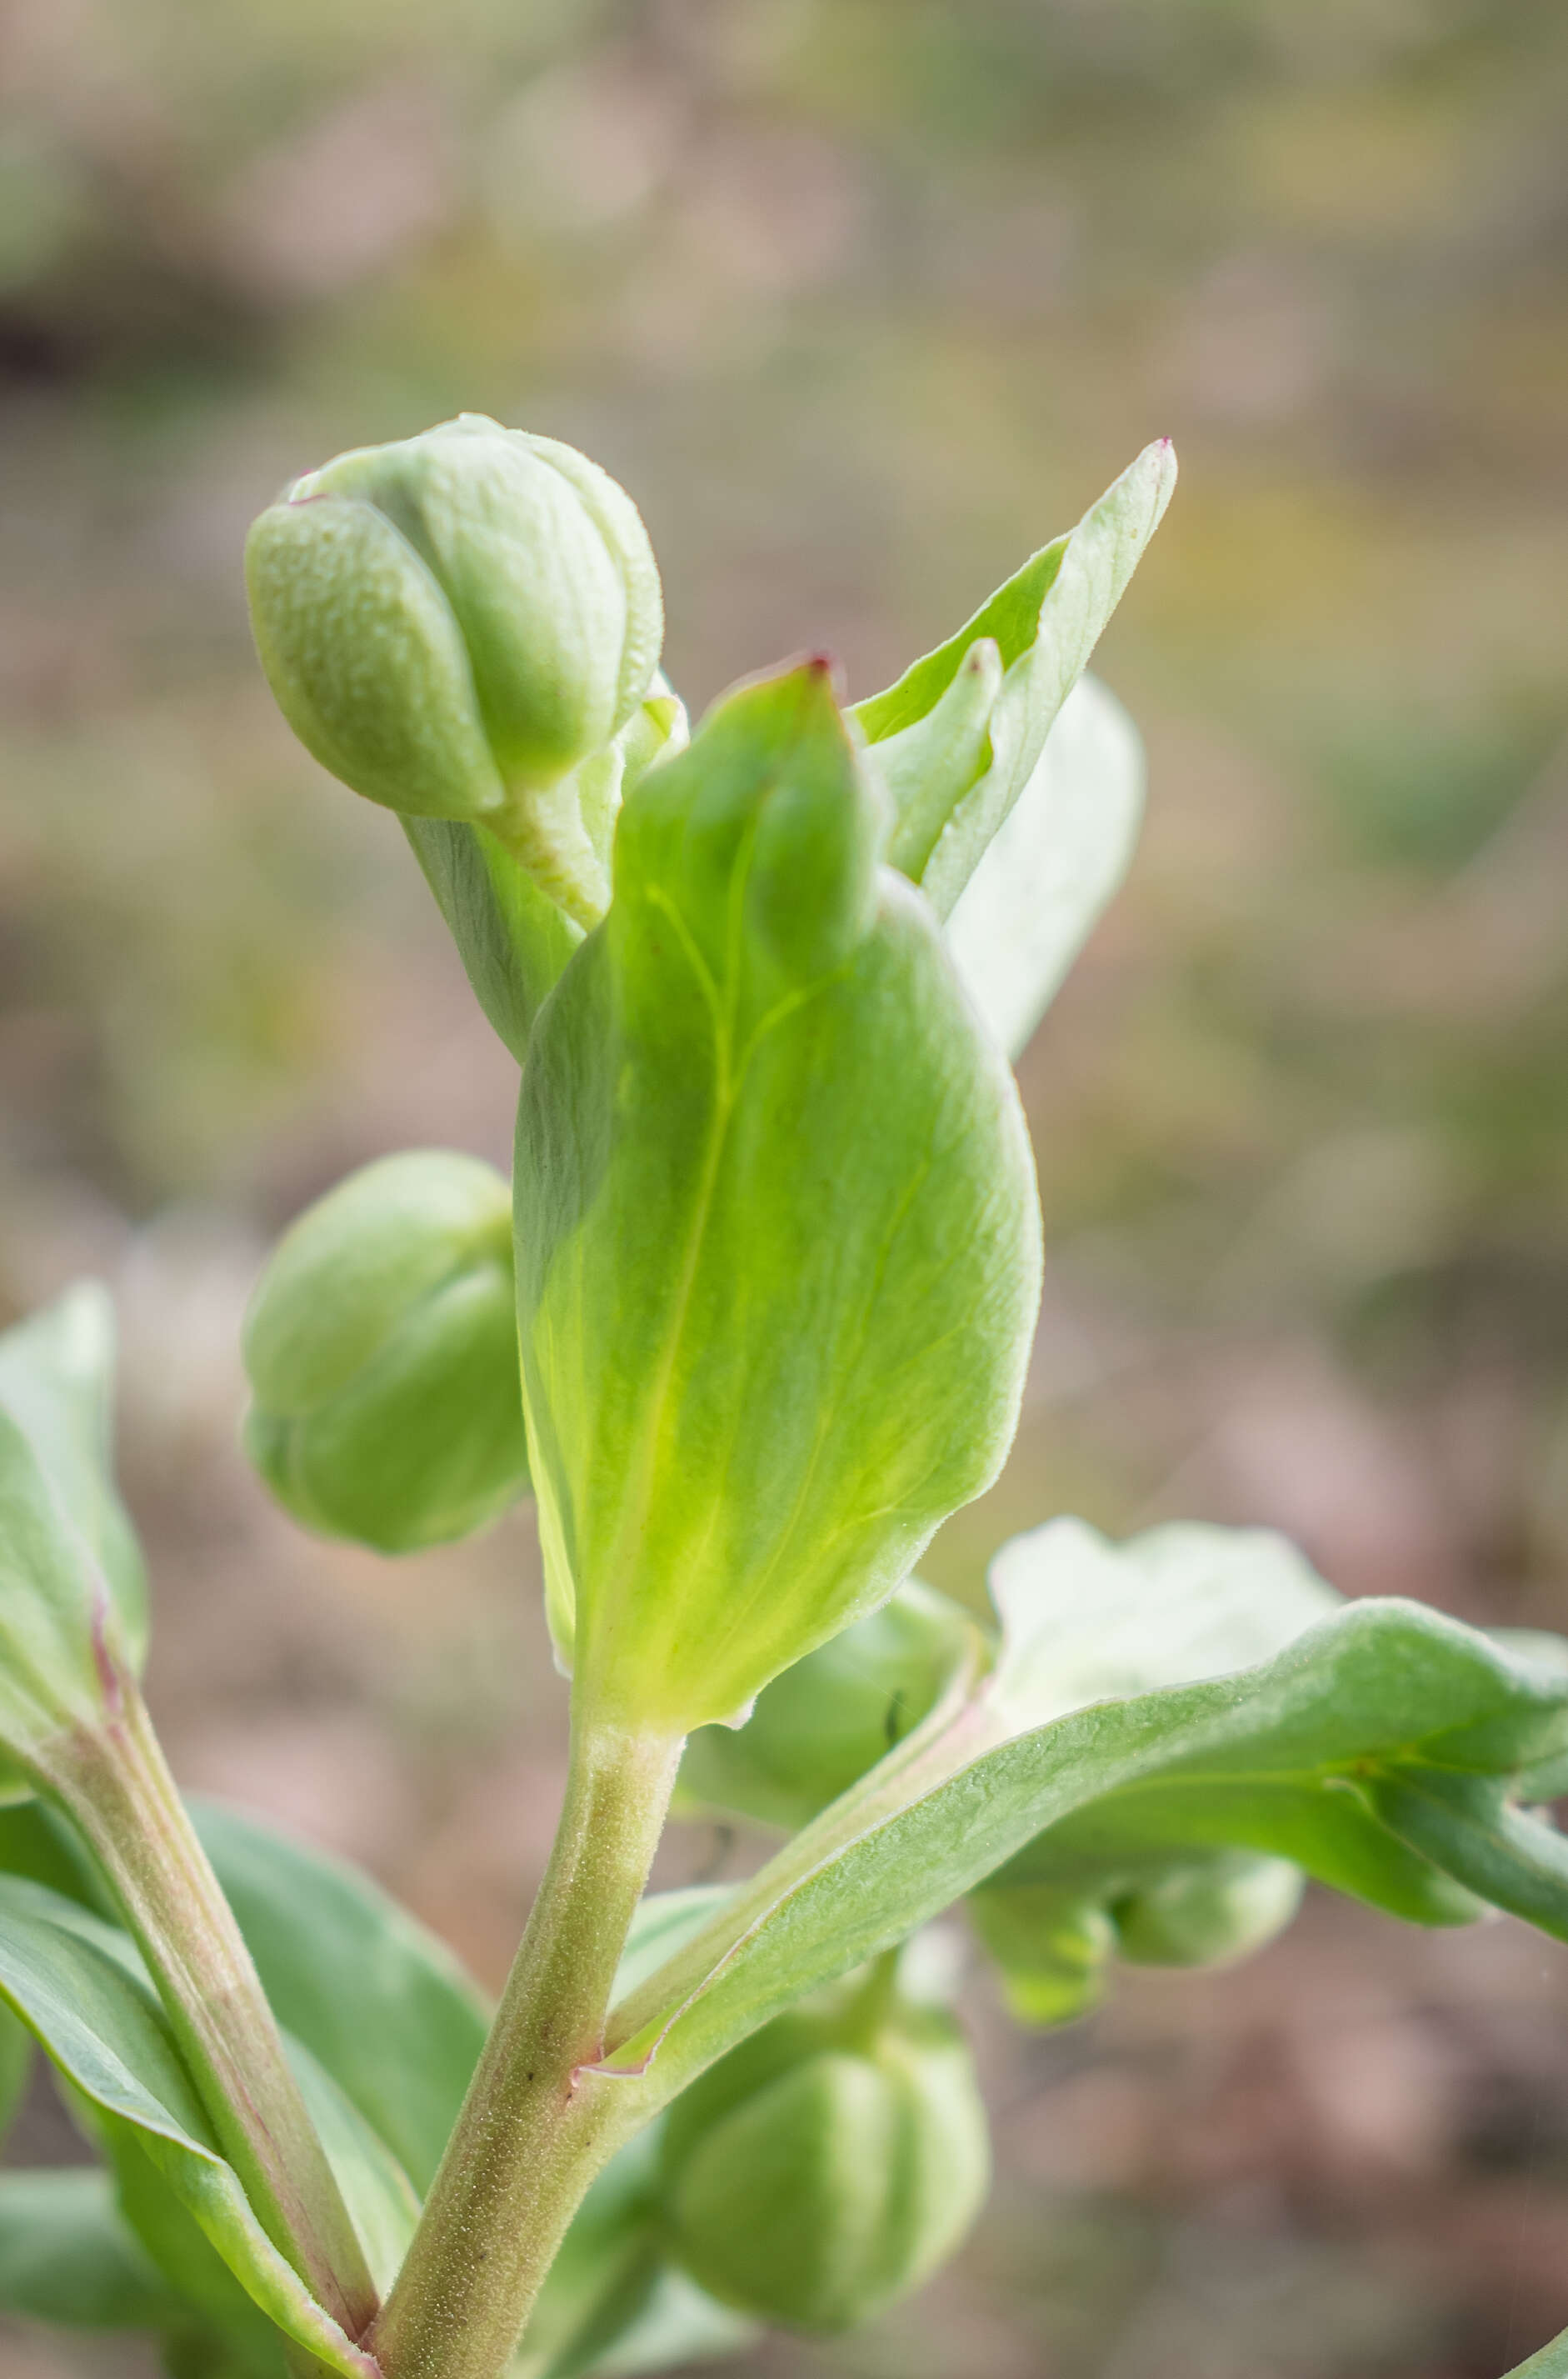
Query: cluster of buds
832	2161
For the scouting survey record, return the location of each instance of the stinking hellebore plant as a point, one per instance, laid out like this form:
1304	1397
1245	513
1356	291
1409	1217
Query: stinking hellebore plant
749	1321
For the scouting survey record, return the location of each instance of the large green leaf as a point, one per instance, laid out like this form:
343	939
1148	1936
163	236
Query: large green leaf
77	1985
777	1249
1053	863
1289	1756
72	1590
66	2255
959	736
374	1996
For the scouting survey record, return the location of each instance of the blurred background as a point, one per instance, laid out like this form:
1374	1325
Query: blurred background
863	299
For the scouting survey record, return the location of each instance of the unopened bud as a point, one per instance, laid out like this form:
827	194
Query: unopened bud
453	623
832	2161
1208	1914
382	1349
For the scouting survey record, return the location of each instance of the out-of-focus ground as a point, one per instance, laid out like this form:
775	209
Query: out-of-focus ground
863	300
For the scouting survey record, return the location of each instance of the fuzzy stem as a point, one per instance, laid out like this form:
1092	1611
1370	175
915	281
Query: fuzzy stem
535	2125
115	1783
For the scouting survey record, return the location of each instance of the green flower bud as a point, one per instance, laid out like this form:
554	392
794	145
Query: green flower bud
1053	1949
382	1349
453	623
817	1728
830	2163
1209	1912
1055	1943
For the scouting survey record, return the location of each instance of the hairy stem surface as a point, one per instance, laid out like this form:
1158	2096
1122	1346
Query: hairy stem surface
116	1787
535	2125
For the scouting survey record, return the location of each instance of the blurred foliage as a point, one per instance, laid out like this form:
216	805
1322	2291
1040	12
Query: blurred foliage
862	298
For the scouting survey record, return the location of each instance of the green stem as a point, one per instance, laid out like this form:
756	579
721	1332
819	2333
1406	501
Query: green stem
115	1785
537	2124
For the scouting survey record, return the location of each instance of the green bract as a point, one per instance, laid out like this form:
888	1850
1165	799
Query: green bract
777	1244
453	623
958	738
824	1721
382	1348
831	2162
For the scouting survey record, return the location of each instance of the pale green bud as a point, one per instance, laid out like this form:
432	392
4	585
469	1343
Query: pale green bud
382	1349
1209	1914
1053	1949
831	2162
816	1730
453	623
1054	1944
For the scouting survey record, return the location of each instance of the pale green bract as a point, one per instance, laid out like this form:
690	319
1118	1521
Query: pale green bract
960	735
1053	863
751	1395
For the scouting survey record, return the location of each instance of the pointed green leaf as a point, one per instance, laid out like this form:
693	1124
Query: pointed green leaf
1286	1758
76	1984
1053	866
777	1236
953	785
68	2257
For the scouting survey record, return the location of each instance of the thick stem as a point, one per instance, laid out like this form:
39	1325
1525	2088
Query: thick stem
535	2125
115	1784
